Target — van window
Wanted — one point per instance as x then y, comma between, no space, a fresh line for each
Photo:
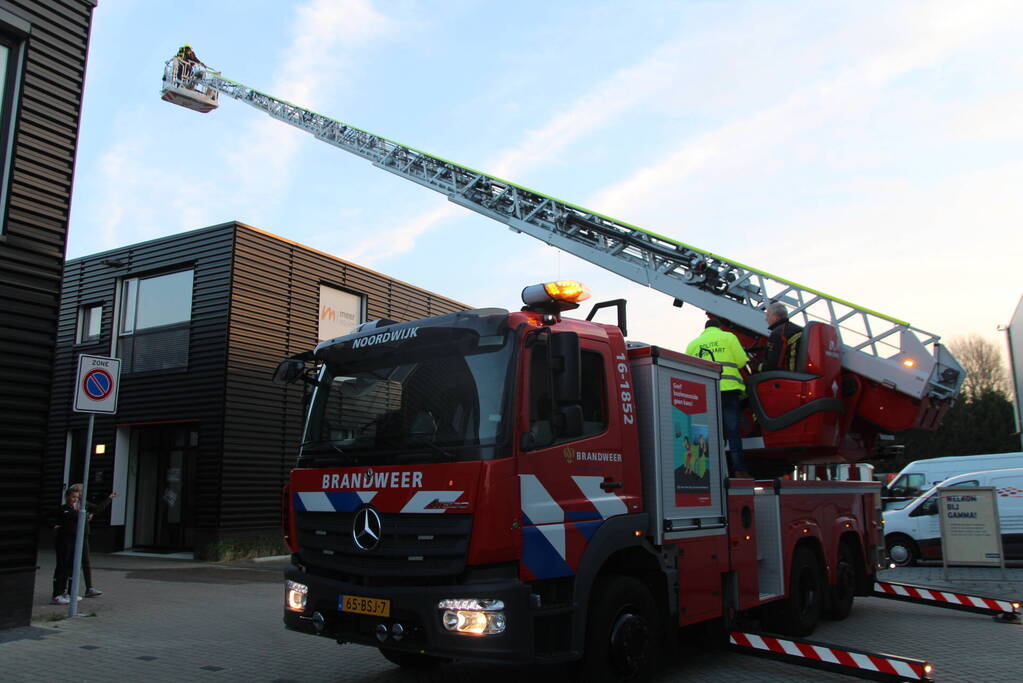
908,485
930,506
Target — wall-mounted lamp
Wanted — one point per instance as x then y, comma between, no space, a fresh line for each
101,448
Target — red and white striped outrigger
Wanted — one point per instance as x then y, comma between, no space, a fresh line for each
1008,610
842,660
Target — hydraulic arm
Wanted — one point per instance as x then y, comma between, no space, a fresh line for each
878,347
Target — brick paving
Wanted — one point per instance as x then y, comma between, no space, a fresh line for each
165,620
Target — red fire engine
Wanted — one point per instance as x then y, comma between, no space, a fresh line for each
523,486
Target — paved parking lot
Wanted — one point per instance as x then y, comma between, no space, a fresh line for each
189,621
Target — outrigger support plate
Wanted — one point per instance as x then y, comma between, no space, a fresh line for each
825,656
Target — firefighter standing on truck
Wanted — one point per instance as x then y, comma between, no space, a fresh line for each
723,347
783,341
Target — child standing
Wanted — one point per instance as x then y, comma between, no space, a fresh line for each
90,509
65,529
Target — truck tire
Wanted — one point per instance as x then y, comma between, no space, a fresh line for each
843,593
902,550
411,660
798,614
623,632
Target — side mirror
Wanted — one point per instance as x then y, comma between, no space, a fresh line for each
566,366
568,422
540,435
289,370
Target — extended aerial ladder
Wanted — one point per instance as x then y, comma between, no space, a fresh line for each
884,350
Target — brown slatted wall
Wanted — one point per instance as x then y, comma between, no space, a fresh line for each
32,244
195,395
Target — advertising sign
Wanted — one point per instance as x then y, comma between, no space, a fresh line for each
340,312
96,384
970,533
691,443
1015,339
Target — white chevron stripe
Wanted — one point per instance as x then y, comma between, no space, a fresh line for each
316,501
607,504
757,642
555,535
903,669
537,503
366,496
826,654
862,661
418,502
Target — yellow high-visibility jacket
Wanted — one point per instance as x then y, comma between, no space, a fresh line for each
721,347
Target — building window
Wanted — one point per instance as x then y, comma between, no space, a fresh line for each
13,32
90,321
156,314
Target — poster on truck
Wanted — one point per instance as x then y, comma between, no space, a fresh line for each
690,443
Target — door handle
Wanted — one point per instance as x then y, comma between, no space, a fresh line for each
609,485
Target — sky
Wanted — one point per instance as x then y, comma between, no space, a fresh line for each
869,150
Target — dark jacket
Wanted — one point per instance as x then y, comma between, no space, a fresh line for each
66,525
782,346
66,522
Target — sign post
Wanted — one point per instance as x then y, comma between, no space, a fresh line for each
96,387
970,532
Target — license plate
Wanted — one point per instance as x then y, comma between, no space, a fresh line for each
374,607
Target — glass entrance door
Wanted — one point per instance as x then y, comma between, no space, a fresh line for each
165,488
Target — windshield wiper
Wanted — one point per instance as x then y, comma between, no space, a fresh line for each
422,441
323,441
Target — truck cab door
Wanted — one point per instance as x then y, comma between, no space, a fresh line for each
570,468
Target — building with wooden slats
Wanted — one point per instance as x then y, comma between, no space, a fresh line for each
43,47
202,441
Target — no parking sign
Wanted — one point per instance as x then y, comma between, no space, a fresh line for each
96,387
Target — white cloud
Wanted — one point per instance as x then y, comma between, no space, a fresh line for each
172,170
143,200
400,239
326,36
607,101
916,37
766,136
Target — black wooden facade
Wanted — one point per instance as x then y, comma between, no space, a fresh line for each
44,45
226,435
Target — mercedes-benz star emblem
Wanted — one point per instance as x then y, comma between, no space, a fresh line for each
366,529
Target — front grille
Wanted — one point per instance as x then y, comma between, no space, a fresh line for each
422,545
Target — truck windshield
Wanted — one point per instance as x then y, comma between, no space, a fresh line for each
439,400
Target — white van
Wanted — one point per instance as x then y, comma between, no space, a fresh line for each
914,532
920,475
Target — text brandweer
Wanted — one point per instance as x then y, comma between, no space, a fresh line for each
374,480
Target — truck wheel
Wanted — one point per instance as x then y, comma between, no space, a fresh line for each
622,633
411,660
798,614
902,551
844,591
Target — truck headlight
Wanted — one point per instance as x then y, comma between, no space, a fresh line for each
295,596
473,616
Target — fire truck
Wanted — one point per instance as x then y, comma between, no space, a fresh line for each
528,486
